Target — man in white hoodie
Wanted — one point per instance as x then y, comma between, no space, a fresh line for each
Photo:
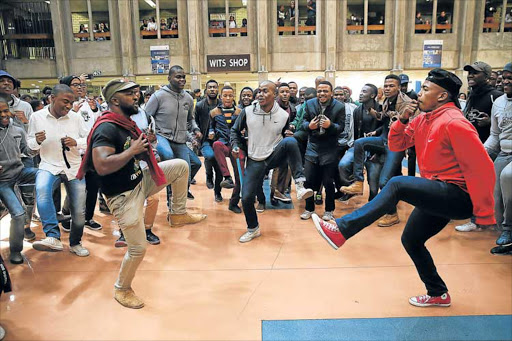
265,123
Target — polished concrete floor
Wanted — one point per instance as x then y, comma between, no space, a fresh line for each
200,283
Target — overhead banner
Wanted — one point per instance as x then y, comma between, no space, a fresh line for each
226,63
159,59
432,53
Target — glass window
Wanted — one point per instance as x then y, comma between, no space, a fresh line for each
169,18
423,20
100,20
492,15
355,16
217,18
80,20
307,16
26,30
237,23
376,15
147,16
444,16
286,17
508,17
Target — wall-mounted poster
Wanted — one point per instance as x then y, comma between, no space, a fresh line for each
159,59
432,53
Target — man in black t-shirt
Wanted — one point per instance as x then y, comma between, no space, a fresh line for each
117,147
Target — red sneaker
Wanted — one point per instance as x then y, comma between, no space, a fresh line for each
428,301
329,232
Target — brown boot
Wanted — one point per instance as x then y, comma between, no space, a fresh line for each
389,220
127,298
355,189
184,219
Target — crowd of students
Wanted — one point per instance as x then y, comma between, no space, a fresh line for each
131,145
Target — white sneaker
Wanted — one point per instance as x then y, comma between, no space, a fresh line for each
79,250
467,227
248,236
303,193
306,215
328,215
48,244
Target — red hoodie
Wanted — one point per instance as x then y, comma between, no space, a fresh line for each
448,149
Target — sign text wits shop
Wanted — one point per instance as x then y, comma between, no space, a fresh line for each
223,63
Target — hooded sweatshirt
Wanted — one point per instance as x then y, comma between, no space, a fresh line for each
18,105
13,143
173,113
482,99
501,126
264,130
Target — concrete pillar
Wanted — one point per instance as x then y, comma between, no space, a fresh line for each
61,30
262,24
467,29
330,39
194,41
127,38
399,24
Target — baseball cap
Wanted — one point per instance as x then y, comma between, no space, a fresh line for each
4,73
448,81
117,85
403,78
508,67
480,67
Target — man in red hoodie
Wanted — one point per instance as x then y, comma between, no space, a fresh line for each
457,181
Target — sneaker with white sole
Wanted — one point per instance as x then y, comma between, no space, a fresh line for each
468,227
303,193
431,301
48,244
328,216
93,225
250,235
306,215
79,250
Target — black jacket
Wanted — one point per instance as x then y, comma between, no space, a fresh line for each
322,148
375,125
202,117
481,99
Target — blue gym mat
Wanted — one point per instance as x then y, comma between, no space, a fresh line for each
463,328
280,205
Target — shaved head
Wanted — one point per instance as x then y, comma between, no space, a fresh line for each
271,85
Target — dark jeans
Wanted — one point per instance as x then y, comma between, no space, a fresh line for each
435,204
210,165
92,186
302,140
391,167
316,175
373,169
411,161
286,150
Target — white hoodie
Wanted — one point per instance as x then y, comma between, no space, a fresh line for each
18,105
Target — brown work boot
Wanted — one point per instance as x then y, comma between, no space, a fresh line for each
184,219
389,220
127,298
355,189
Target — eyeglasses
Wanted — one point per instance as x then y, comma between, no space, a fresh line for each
78,85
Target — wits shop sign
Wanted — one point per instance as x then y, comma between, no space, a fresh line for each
225,63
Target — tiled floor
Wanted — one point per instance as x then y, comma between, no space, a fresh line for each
202,284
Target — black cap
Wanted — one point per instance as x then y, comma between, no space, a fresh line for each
448,81
68,79
403,78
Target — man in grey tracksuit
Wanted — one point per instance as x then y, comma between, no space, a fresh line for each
266,148
173,111
500,142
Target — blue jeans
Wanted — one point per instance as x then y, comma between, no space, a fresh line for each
169,150
373,169
15,207
503,191
435,204
286,150
210,165
346,167
46,183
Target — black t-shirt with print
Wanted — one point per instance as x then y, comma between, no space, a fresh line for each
111,135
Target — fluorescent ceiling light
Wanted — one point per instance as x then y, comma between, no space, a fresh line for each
150,3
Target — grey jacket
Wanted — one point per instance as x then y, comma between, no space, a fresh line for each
173,113
500,138
13,142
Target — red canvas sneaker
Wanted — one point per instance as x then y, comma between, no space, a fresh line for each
329,232
431,301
